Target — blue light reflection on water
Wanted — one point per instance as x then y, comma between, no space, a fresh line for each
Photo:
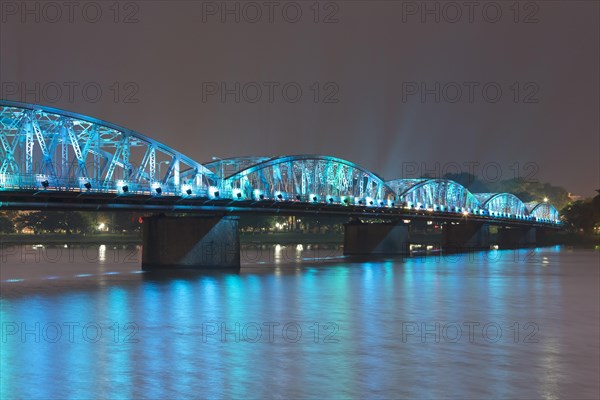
171,355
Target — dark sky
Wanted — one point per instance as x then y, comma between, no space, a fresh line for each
369,59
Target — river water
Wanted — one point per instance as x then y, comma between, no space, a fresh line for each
300,322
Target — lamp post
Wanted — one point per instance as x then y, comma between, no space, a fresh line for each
159,164
221,172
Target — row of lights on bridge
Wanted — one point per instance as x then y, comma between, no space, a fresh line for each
214,192
237,193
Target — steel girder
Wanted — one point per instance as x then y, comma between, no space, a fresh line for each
545,212
311,178
502,203
59,150
228,166
437,194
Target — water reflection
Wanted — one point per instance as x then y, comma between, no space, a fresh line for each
295,326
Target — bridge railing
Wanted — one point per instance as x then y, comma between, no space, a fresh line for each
40,182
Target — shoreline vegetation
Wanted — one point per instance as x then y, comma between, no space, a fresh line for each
565,238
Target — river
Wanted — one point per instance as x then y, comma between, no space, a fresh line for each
300,322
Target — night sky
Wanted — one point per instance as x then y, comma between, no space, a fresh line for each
362,68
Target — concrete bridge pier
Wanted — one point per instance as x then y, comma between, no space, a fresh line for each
515,237
204,243
376,238
466,236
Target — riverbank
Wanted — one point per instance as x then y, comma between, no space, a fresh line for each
57,238
565,238
136,238
571,239
292,238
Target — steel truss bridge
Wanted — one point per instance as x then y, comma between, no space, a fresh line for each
54,159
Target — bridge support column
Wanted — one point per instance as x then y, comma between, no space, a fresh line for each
376,238
191,243
466,236
517,237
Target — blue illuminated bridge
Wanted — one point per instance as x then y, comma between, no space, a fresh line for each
53,159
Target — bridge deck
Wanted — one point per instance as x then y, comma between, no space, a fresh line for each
82,201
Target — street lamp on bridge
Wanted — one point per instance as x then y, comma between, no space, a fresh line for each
167,162
221,165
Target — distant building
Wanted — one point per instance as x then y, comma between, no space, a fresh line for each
574,197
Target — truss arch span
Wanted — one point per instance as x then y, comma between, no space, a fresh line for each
436,194
310,178
67,151
544,211
502,204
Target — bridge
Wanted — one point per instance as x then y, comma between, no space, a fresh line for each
54,159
